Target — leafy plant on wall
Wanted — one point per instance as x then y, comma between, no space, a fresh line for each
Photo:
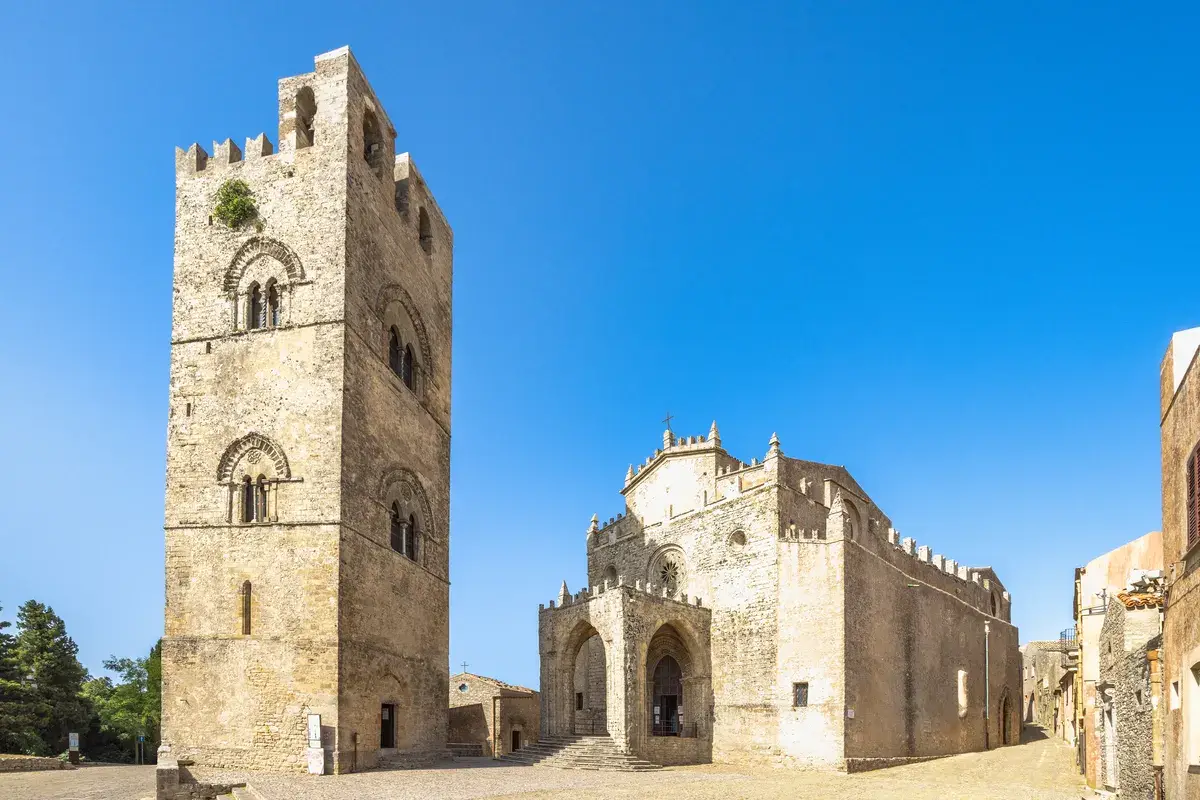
236,205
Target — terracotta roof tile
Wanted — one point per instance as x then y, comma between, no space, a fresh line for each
1140,599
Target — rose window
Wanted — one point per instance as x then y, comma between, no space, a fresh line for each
669,572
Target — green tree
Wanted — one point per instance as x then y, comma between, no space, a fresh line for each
48,659
131,707
18,733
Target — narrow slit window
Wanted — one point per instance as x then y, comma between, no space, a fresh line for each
799,695
246,608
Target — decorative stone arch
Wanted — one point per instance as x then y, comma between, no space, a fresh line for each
252,250
401,485
666,561
395,293
247,447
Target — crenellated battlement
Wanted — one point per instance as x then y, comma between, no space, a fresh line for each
196,159
567,599
923,554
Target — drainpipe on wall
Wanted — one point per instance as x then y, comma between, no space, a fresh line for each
987,685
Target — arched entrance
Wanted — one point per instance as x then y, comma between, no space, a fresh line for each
666,698
589,699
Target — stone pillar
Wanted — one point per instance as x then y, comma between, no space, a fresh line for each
619,664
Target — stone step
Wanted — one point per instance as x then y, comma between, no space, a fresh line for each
596,752
466,749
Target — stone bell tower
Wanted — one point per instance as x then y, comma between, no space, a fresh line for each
308,443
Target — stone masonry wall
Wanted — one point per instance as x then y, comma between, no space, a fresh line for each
1125,638
232,700
1180,429
738,580
341,622
471,713
395,611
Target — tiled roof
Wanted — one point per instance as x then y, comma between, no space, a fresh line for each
501,684
1140,599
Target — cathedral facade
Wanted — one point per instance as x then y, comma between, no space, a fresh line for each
769,612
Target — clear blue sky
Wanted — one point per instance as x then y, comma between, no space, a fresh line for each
941,243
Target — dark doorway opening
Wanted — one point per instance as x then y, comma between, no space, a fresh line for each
387,725
1005,723
516,741
668,697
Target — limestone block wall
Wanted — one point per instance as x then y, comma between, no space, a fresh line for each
472,716
811,650
353,241
1125,640
1180,431
910,629
590,682
737,577
230,699
394,621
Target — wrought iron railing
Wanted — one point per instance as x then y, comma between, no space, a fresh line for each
672,727
1067,634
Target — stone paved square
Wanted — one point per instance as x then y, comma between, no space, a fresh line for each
1039,769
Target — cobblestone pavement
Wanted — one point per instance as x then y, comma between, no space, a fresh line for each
1039,769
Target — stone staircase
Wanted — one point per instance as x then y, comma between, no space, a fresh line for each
239,793
597,752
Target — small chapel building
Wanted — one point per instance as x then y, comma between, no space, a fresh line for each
769,612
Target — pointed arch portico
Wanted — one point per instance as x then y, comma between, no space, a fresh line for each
639,630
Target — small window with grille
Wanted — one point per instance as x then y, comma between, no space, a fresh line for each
799,695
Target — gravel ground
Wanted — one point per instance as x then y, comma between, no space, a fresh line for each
1040,769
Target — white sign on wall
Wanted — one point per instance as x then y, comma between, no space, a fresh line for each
314,730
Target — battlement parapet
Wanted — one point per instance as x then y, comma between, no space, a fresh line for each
195,159
791,533
656,591
949,567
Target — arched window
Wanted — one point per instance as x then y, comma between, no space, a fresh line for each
247,500
260,500
425,230
397,538
254,311
1193,497
372,142
395,352
410,538
273,305
995,607
306,112
406,371
246,608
